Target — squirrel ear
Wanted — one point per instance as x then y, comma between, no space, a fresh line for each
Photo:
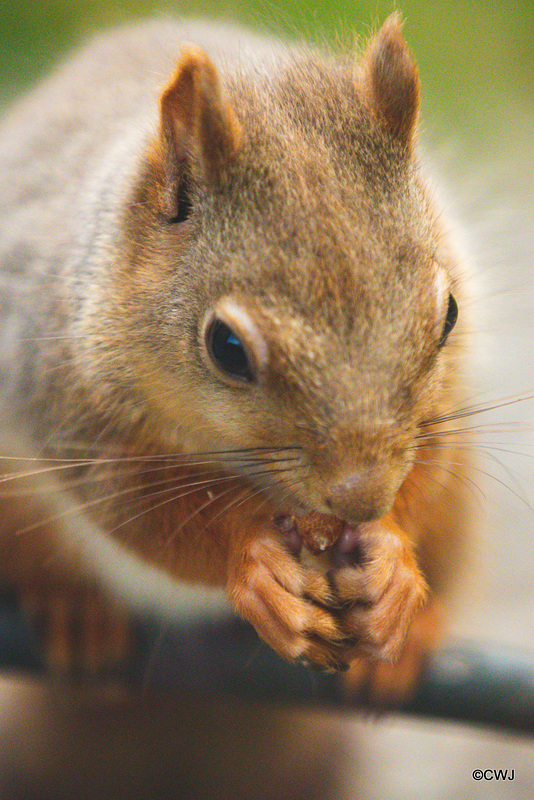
390,81
198,127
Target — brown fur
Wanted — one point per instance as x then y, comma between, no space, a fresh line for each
390,82
309,211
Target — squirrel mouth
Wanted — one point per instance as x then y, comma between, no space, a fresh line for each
318,532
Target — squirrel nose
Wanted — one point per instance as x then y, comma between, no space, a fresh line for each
360,496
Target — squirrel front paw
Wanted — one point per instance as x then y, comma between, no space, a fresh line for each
378,584
287,603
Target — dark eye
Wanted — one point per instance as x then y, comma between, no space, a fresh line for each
450,320
227,351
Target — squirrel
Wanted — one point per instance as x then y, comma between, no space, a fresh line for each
232,341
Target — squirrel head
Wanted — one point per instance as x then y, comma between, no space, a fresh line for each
287,278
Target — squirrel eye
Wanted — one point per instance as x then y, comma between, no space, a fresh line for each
227,352
450,320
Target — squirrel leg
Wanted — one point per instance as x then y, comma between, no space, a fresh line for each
384,684
76,626
78,629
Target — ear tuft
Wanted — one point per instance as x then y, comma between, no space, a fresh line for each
198,127
390,81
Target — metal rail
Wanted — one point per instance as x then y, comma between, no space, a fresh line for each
465,683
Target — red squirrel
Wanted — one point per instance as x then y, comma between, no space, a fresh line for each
233,336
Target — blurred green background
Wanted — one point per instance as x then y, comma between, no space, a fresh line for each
476,58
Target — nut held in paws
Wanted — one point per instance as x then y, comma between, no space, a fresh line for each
319,531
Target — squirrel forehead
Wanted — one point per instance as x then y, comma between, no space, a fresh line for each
315,174
321,212
309,117
326,251
345,290
385,321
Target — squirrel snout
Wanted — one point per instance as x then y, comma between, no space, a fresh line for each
361,496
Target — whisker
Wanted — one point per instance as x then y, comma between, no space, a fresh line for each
93,479
498,447
161,456
62,464
243,496
129,490
508,471
175,497
489,428
198,510
428,476
488,475
84,506
475,446
458,476
286,492
481,409
239,501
